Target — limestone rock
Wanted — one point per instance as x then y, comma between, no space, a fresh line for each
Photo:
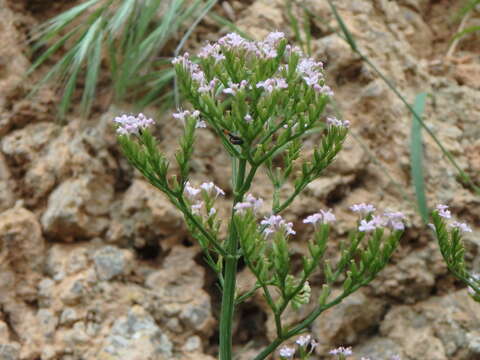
111,262
348,321
136,337
77,208
21,253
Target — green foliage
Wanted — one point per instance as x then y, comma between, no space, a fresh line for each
453,251
416,157
261,99
122,35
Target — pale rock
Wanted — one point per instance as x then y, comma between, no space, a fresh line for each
21,253
136,337
69,316
77,208
9,351
48,322
111,262
73,291
7,196
146,216
193,343
344,323
437,326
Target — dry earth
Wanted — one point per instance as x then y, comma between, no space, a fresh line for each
95,264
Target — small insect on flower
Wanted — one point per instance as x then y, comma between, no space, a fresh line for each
235,140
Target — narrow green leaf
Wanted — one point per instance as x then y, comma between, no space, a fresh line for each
416,157
348,36
468,30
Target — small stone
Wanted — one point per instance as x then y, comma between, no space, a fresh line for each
69,316
73,294
45,291
48,322
9,351
111,262
136,336
193,343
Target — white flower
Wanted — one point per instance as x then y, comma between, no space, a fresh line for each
476,279
394,220
443,211
232,40
250,203
362,208
248,118
191,191
275,223
287,352
210,187
341,351
333,121
234,88
272,84
200,124
461,226
303,340
212,212
129,124
181,115
367,226
324,216
197,207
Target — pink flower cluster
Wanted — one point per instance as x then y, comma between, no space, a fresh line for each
182,115
210,190
129,124
322,217
446,214
308,69
272,84
250,202
276,223
391,219
333,121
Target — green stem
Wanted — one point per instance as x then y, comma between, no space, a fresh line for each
306,322
228,296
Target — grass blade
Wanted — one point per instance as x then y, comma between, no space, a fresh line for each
469,30
348,36
416,157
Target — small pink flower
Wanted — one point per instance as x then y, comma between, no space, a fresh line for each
461,226
341,351
129,124
362,208
287,352
443,211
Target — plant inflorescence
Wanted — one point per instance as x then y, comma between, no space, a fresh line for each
262,99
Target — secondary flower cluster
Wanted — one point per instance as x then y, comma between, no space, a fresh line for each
445,213
129,124
306,345
210,192
307,342
390,219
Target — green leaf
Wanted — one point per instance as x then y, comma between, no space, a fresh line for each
416,157
468,30
348,36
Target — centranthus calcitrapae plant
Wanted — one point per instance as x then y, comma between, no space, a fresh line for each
449,236
261,99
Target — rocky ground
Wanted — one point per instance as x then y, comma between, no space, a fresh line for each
95,264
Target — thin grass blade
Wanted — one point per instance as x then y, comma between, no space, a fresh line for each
348,36
416,157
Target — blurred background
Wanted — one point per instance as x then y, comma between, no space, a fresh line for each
96,264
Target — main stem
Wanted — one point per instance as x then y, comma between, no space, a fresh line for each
230,274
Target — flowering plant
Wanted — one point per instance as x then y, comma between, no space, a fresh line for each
449,236
261,99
